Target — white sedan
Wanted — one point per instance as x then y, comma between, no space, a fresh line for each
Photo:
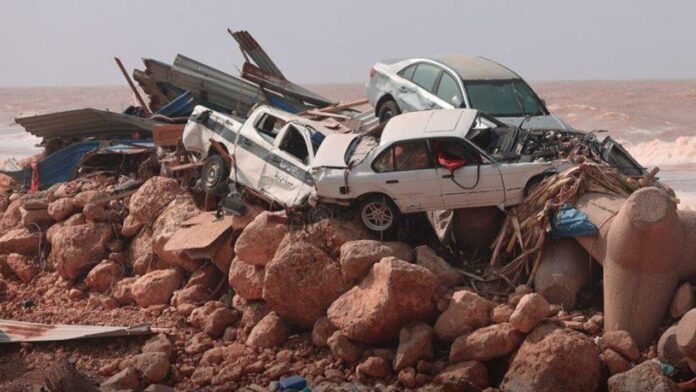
429,160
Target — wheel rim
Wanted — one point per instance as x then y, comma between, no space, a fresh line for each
387,114
212,175
377,216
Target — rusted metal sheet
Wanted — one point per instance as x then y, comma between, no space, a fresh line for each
167,135
12,331
86,123
251,48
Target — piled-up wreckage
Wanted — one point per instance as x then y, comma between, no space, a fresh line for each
104,221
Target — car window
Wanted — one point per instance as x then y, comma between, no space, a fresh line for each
294,144
425,75
269,126
408,71
452,153
503,98
412,155
448,90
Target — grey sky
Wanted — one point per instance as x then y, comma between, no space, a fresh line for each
73,42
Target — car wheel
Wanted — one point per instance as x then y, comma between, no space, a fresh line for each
388,110
379,215
215,175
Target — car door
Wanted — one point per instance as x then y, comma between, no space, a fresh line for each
448,92
254,146
285,177
474,181
405,172
417,95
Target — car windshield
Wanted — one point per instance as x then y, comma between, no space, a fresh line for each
503,98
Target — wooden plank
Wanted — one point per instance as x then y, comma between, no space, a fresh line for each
167,135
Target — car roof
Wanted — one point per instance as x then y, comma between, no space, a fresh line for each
429,123
468,67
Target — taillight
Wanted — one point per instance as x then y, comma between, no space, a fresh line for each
372,72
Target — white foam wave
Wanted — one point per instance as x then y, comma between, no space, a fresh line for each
682,150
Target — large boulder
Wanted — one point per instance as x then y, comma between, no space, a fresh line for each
395,293
486,343
553,358
327,234
426,257
258,242
246,279
647,376
357,257
152,197
22,241
156,287
76,249
177,211
62,208
301,282
465,312
24,267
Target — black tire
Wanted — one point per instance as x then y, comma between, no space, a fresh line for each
215,175
388,110
379,215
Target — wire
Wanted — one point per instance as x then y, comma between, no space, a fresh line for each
478,178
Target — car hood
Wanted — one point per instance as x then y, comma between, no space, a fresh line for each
332,152
548,121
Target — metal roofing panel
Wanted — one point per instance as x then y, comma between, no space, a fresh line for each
85,123
251,47
12,331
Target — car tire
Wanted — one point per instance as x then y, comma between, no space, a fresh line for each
379,215
388,110
215,175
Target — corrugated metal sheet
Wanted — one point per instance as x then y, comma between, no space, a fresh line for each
250,47
86,123
287,88
19,331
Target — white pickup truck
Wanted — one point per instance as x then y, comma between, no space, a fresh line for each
270,152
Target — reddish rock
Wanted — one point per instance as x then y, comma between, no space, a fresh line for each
198,343
647,376
131,226
246,279
104,275
76,249
357,257
529,312
622,343
199,315
446,275
501,313
96,213
486,343
153,366
668,350
229,373
614,361
214,356
466,311
683,300
87,197
277,371
408,377
686,334
269,332
126,379
23,241
301,282
553,359
459,374
39,217
328,235
156,287
345,349
224,254
374,367
218,320
203,375
415,343
25,268
197,294
179,210
123,291
321,331
258,242
395,293
152,197
159,343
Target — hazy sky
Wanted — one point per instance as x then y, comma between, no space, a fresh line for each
73,42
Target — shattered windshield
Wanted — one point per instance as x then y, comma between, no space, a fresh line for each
359,148
503,98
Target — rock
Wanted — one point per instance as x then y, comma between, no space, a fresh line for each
179,210
278,370
214,356
96,213
83,198
156,287
224,254
553,358
407,377
246,279
123,291
21,241
76,249
218,320
321,331
152,197
127,378
647,376
159,343
345,349
459,374
194,295
357,257
153,366
395,293
446,275
207,275
198,343
131,226
229,373
668,350
529,312
301,282
466,311
203,375
486,343
158,388
614,361
104,275
24,267
269,332
682,302
686,334
501,313
415,343
258,242
199,315
29,218
622,343
374,367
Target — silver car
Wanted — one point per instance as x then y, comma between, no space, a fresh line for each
447,82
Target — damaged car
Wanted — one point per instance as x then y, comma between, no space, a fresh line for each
447,82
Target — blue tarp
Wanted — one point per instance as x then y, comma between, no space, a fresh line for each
570,222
